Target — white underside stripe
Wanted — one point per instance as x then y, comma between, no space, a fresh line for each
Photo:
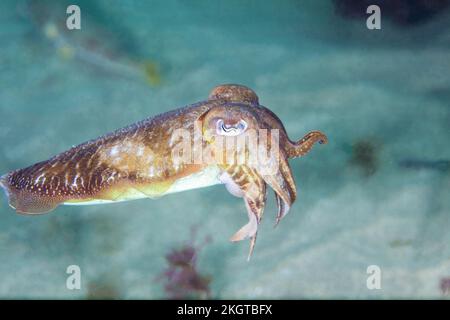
207,177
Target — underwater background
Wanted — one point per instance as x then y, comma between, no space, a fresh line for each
377,194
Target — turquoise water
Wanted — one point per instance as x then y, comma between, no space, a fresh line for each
382,97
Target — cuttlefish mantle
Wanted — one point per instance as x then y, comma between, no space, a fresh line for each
143,160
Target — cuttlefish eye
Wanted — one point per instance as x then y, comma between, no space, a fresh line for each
235,129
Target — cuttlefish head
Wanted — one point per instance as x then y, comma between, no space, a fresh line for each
250,145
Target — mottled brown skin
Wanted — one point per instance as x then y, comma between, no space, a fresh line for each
139,158
101,176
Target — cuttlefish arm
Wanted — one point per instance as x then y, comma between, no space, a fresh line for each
283,182
243,181
232,121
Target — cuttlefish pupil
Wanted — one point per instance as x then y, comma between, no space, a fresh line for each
231,129
137,162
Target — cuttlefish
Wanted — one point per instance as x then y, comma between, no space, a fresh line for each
199,145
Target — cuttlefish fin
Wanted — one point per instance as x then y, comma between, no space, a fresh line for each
253,190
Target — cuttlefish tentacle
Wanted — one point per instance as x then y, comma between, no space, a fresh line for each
283,181
255,202
284,186
305,144
138,161
293,150
233,121
244,182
